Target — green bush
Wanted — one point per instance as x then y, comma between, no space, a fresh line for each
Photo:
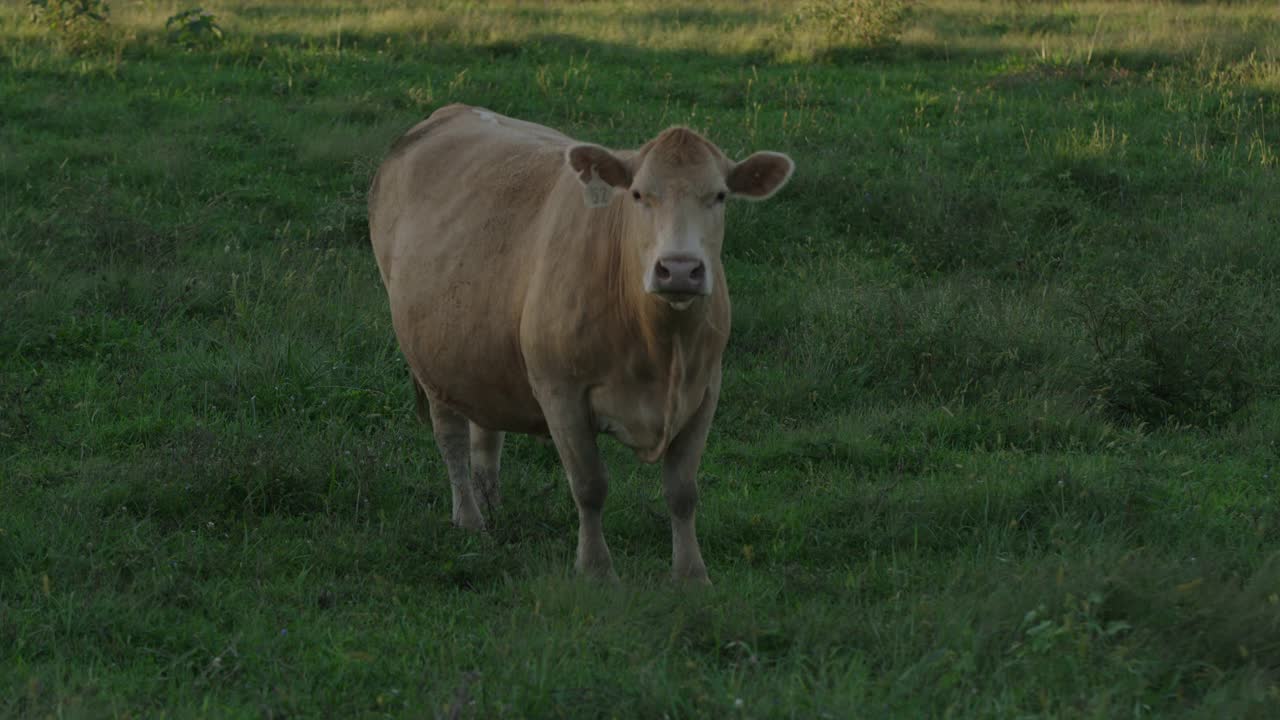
79,24
196,26
869,23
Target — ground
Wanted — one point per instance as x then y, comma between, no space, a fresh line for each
999,428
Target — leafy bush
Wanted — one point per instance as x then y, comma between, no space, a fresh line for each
196,26
869,23
65,14
79,24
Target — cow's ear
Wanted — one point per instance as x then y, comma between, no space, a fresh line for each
599,171
761,175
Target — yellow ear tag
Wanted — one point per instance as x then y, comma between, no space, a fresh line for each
597,192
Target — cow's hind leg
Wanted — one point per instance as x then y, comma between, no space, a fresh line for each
453,437
486,458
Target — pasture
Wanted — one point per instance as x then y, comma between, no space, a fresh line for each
1000,420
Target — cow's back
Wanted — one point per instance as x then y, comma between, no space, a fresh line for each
454,217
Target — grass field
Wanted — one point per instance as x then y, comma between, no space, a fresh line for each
999,428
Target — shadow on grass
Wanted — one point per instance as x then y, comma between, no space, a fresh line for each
448,41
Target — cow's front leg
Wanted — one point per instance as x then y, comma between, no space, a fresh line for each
575,440
680,486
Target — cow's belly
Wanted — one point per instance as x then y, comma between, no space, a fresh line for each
490,401
474,368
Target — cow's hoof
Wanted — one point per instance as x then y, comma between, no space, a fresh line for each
609,578
604,575
691,580
469,521
691,576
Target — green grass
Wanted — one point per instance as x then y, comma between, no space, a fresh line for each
999,428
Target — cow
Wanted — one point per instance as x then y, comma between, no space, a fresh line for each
546,286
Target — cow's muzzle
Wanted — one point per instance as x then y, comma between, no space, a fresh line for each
680,277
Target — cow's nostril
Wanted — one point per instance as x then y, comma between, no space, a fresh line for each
696,273
662,272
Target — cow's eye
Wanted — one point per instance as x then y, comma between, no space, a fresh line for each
635,195
720,196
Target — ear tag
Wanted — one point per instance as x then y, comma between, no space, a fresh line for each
597,192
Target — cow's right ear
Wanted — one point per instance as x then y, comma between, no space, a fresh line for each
599,171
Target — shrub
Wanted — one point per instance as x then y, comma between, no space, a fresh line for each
79,24
868,23
196,26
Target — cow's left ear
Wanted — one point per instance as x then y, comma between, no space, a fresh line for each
761,175
599,171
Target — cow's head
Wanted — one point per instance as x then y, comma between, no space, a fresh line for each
677,185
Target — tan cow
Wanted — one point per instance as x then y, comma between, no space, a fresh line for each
545,286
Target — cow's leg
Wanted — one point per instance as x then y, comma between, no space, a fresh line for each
486,457
453,437
680,486
575,442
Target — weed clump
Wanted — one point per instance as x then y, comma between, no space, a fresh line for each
1179,347
79,25
865,23
194,27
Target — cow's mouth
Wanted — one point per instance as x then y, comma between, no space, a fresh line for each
679,301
